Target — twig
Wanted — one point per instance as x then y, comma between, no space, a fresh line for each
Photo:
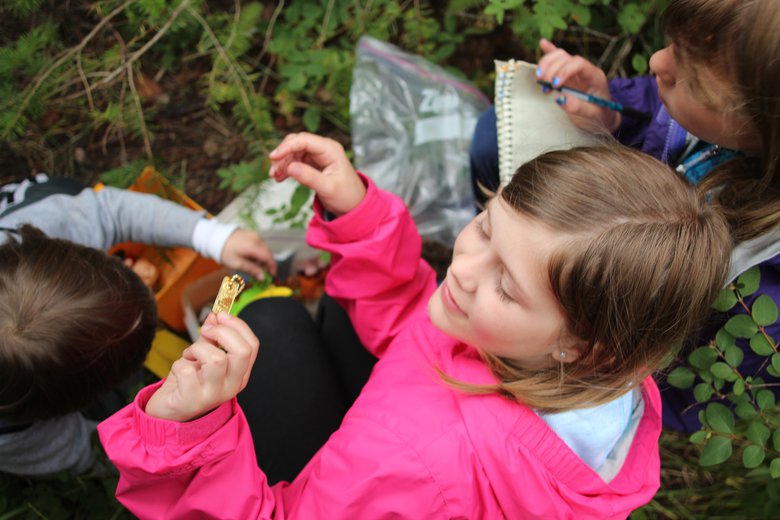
269,31
324,28
242,82
66,54
139,108
236,19
140,52
84,80
621,56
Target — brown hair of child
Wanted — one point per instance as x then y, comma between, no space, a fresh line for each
739,40
645,258
74,323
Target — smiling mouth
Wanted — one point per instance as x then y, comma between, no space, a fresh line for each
449,301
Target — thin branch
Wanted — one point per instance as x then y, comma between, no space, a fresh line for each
324,28
84,80
140,52
139,108
63,58
269,31
242,82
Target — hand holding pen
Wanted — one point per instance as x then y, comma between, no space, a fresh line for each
582,88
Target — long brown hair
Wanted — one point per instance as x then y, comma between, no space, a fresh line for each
646,257
74,323
741,40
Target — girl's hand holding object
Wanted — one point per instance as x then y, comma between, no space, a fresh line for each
210,372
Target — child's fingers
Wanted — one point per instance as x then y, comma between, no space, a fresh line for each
278,170
240,326
318,150
308,176
580,73
234,337
184,375
245,331
546,45
210,321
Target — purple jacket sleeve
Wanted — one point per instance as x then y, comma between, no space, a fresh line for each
642,93
377,273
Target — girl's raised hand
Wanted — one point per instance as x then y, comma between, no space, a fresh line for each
210,372
321,164
562,69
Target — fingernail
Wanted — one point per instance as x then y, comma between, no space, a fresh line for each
561,100
556,81
206,326
538,72
273,153
546,89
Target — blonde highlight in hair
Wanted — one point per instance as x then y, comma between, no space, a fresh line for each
645,258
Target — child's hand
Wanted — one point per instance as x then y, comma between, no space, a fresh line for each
561,68
210,372
322,165
246,251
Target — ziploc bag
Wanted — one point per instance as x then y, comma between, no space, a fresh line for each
412,124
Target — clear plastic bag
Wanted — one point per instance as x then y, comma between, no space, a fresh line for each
412,124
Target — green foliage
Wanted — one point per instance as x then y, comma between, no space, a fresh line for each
626,25
748,428
63,496
258,64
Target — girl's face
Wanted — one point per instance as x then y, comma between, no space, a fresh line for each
706,115
497,295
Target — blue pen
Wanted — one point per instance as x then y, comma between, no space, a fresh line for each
590,98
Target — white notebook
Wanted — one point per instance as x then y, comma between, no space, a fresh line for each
528,121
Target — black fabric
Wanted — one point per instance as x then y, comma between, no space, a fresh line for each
108,403
296,398
7,426
352,362
38,191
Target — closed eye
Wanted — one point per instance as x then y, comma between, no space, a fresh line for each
505,297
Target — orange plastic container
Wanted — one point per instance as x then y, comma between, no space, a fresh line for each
177,266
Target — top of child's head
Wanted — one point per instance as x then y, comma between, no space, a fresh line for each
606,261
74,323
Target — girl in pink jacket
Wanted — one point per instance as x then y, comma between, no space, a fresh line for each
517,388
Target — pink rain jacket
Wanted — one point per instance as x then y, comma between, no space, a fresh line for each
410,446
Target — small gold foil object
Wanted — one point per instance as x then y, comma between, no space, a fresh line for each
231,286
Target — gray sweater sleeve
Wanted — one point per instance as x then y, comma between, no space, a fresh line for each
49,446
107,217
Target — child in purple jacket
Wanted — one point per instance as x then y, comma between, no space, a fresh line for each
518,388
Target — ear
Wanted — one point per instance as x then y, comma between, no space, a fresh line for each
570,351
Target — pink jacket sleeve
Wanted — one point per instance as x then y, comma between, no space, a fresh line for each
206,469
170,469
377,273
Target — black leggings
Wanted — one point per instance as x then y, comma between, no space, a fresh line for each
307,374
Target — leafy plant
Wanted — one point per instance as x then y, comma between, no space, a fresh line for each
740,417
63,496
625,31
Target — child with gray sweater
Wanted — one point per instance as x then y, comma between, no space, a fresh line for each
76,322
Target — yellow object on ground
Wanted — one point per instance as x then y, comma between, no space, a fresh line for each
166,348
177,267
248,296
